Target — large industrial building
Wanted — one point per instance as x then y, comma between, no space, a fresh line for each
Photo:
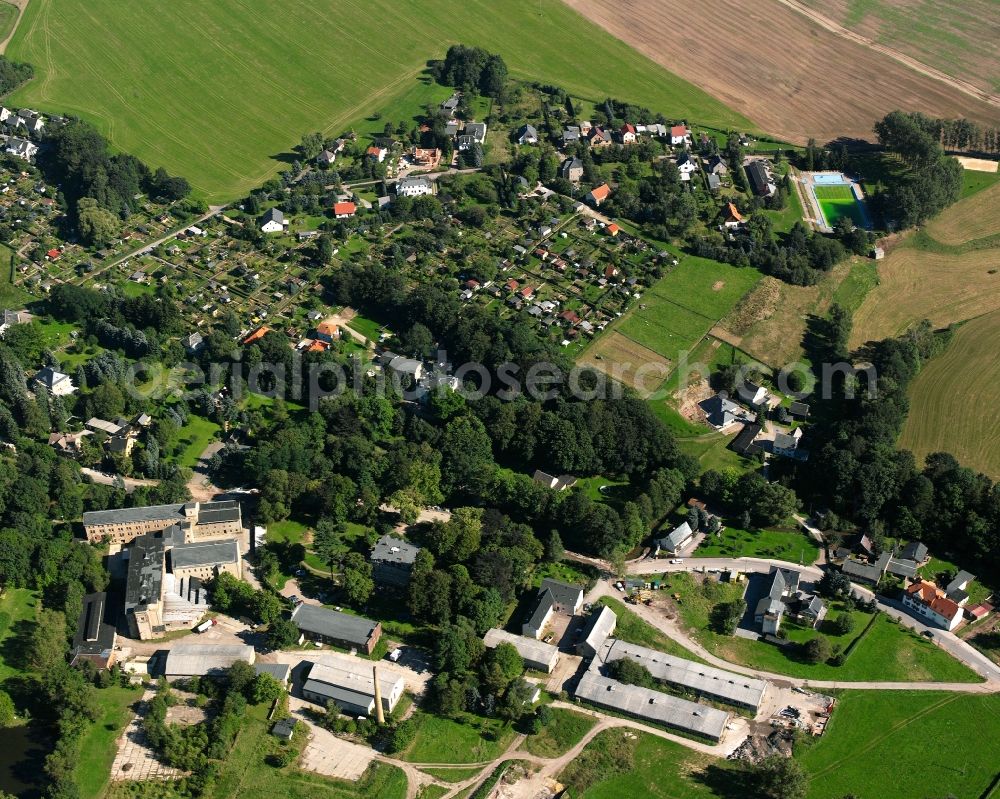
351,687
95,635
164,589
198,521
535,654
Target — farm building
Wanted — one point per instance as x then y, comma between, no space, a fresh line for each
280,671
712,683
351,687
536,654
644,703
553,597
340,629
600,624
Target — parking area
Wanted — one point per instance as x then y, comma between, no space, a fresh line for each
327,754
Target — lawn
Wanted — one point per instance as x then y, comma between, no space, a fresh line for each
633,630
18,604
838,202
195,436
8,16
368,328
886,652
471,740
245,774
787,544
565,731
619,764
99,741
221,91
878,745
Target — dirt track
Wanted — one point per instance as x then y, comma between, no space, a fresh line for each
792,75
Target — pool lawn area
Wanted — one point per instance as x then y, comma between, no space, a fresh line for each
837,202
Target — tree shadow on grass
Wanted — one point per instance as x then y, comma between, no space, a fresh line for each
726,782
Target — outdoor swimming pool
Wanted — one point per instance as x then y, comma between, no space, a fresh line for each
829,179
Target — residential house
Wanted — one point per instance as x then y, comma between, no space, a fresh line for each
427,158
686,164
55,383
599,194
752,394
714,184
273,221
679,134
745,442
451,104
717,166
771,607
317,623
377,153
865,571
392,560
477,130
672,544
21,148
554,597
732,218
406,367
955,590
527,134
414,186
761,181
598,137
344,210
627,133
572,170
930,605
193,343
326,158
571,135
560,483
798,410
916,551
720,411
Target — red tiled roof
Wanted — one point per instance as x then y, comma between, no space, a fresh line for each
601,192
54,253
679,130
732,213
613,229
259,333
344,208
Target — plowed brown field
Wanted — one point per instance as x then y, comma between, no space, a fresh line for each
790,75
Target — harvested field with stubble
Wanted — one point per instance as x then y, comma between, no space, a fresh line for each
788,74
958,38
971,219
628,362
950,407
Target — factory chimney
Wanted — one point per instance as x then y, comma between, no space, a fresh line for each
379,715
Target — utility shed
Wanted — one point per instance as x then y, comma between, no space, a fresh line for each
708,681
643,703
536,654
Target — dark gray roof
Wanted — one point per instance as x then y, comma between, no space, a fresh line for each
272,215
390,549
95,634
145,513
915,550
902,567
758,176
333,624
798,409
216,512
205,553
562,593
283,728
145,571
960,579
279,671
542,608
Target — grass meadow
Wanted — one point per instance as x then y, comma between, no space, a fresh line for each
566,731
221,91
790,544
885,652
883,743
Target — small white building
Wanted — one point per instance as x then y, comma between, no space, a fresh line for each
273,221
414,187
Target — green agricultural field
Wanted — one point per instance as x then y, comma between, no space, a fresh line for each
878,744
789,544
681,308
221,91
886,652
838,202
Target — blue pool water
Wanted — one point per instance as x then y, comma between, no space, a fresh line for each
824,179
